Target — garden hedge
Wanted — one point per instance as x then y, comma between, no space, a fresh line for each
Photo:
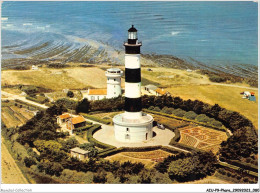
113,151
185,119
246,166
29,104
97,143
39,99
237,168
81,129
93,118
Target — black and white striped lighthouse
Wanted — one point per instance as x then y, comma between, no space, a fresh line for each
133,103
133,125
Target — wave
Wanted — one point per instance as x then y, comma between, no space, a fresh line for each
24,24
174,33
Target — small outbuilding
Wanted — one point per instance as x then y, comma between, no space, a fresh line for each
79,153
76,122
150,88
63,118
160,92
34,67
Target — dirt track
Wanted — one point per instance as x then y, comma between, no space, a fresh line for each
11,174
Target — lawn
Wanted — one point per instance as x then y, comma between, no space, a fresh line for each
226,96
194,86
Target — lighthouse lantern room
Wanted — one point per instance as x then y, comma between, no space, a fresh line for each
133,125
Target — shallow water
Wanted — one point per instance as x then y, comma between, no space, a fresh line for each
211,32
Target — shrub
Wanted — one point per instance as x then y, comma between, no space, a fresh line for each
202,118
29,161
151,108
179,112
157,109
167,110
70,94
190,115
216,78
216,123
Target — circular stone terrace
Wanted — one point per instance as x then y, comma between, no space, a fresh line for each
106,135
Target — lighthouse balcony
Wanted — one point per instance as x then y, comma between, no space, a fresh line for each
137,43
118,73
121,119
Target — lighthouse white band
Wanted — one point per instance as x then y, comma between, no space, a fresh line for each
132,90
132,61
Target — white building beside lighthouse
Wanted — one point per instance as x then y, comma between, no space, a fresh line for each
113,86
114,82
133,125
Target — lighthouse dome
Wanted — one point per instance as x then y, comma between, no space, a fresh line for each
132,29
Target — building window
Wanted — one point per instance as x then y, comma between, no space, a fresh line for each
127,129
97,97
114,79
114,86
127,136
92,98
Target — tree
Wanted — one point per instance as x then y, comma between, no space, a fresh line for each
29,161
69,144
159,178
100,176
67,103
83,106
42,145
70,94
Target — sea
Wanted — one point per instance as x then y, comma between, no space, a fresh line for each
214,33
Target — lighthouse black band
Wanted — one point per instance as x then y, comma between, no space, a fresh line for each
132,41
133,104
133,75
132,49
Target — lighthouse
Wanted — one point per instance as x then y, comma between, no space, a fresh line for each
133,125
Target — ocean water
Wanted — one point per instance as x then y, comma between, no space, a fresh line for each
214,33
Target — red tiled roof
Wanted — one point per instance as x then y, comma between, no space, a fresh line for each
160,91
64,116
76,120
97,92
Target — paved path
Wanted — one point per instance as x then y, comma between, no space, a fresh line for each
13,96
11,173
106,135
